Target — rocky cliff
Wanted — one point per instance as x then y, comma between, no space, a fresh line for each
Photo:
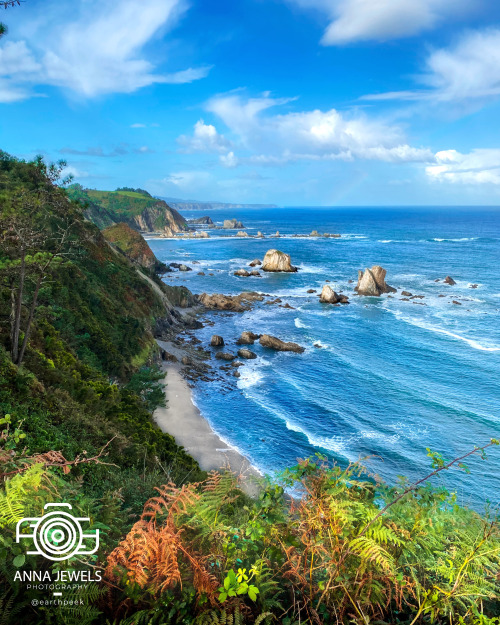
137,209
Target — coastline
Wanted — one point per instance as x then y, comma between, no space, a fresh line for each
182,419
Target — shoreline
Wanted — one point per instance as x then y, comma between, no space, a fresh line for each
182,419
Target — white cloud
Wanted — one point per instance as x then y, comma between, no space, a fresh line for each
467,71
478,167
470,69
75,172
205,138
98,49
138,125
358,20
229,160
311,135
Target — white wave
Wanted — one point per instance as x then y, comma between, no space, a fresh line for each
300,324
321,344
456,240
427,326
334,443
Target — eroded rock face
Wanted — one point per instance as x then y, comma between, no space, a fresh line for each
232,224
329,296
266,340
246,353
216,341
247,338
274,260
449,280
372,282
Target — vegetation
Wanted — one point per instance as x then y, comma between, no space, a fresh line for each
135,207
320,545
133,245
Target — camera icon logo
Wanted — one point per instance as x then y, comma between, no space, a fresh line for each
58,535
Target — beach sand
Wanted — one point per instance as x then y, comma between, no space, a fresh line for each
182,419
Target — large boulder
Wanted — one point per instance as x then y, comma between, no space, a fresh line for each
217,341
266,340
255,262
232,224
242,272
274,260
246,353
329,296
372,282
247,338
449,280
225,356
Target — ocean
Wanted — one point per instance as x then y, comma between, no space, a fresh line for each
381,379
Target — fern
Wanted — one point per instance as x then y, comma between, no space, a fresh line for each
17,491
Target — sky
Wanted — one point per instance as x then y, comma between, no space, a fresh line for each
291,102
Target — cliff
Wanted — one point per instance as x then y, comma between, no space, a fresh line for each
137,209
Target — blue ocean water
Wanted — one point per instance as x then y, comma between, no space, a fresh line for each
390,378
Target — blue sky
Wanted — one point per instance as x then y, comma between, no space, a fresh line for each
293,102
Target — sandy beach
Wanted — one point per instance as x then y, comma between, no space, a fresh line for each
183,420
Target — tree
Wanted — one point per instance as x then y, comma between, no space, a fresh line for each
36,235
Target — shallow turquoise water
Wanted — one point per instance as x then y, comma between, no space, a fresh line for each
391,377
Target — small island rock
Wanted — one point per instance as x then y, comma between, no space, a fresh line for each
329,296
274,260
246,353
449,280
266,340
372,282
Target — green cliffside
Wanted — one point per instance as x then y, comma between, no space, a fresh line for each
136,208
91,335
132,244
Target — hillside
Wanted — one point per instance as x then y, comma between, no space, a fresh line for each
185,205
132,244
86,372
137,208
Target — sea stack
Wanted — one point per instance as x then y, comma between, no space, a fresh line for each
329,296
372,282
274,260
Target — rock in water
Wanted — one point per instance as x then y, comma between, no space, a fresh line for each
329,296
255,262
232,224
449,280
241,272
372,282
266,340
246,353
184,268
241,233
225,356
217,341
274,260
247,338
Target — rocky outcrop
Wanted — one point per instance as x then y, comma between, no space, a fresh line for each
234,303
241,233
217,341
372,282
201,220
247,338
241,272
232,224
246,353
274,260
259,235
184,268
266,340
329,296
255,263
449,280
